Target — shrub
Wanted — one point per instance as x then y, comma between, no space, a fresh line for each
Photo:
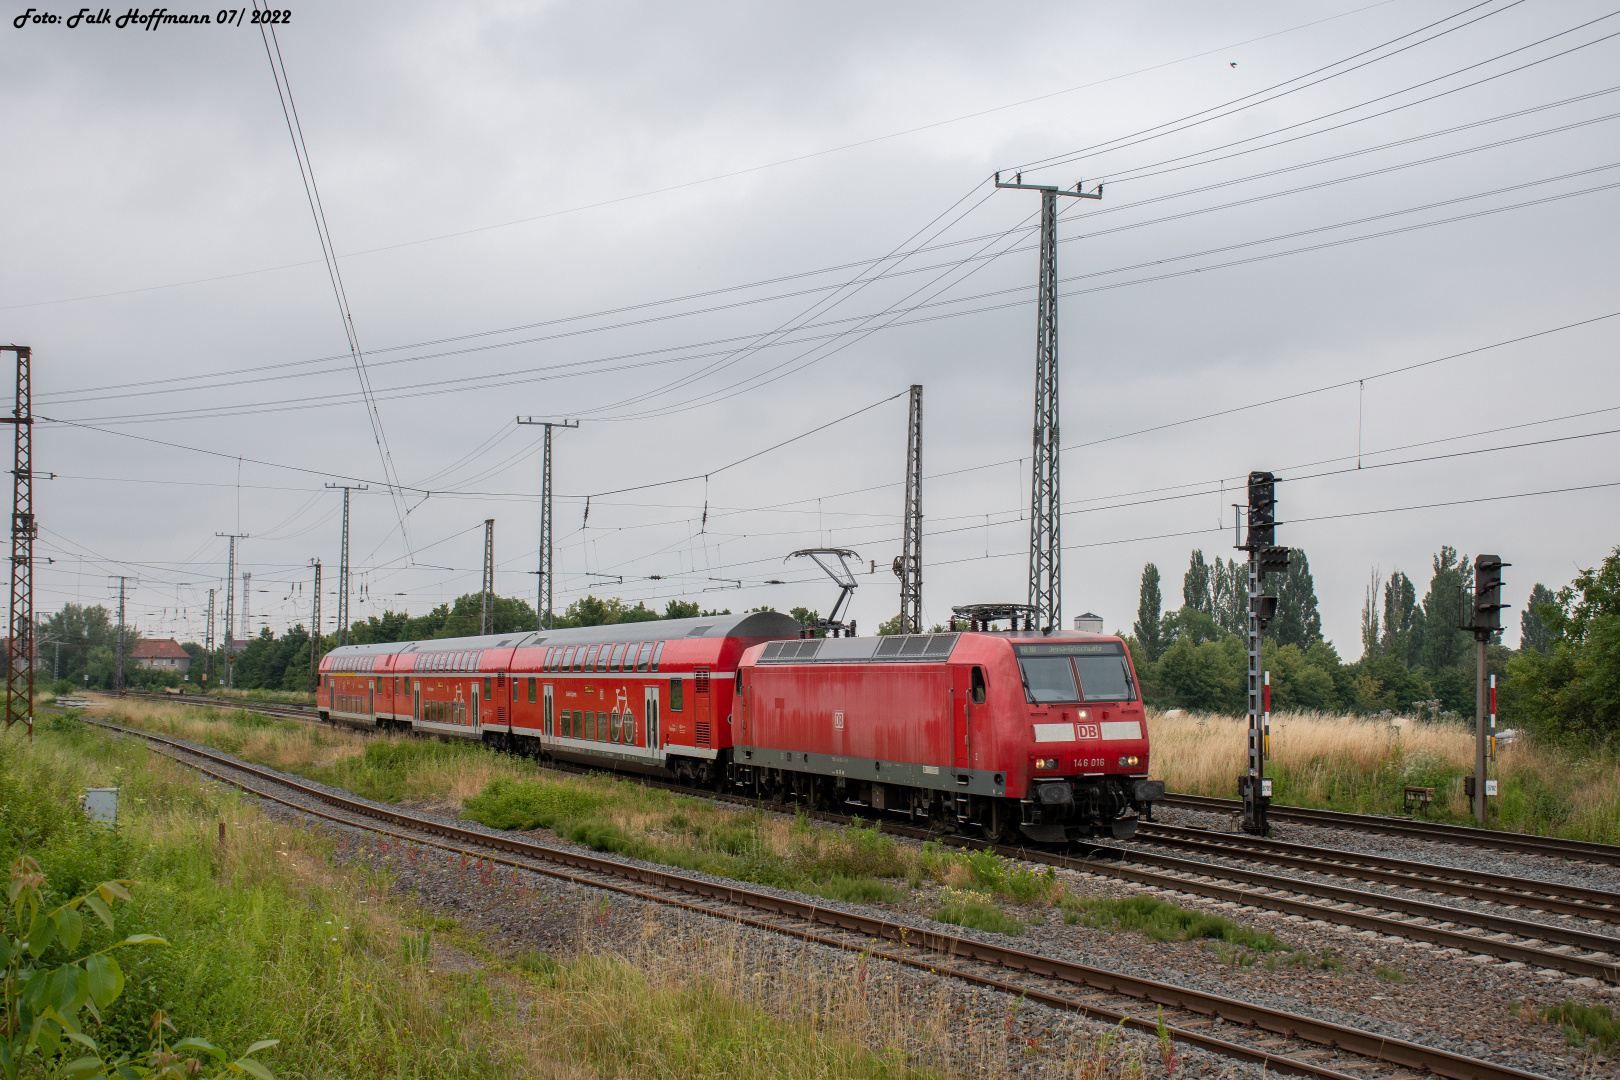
529,804
45,991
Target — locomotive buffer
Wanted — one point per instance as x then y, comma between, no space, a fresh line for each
1264,558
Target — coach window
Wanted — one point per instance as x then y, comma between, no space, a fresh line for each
618,658
586,658
568,657
531,690
658,650
602,658
978,686
644,656
675,695
613,727
489,689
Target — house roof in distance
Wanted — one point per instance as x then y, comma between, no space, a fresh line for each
164,649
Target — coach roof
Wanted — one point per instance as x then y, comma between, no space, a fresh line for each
751,624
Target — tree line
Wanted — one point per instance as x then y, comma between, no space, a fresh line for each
1563,679
88,638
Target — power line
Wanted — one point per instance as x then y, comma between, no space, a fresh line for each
168,386
717,177
312,192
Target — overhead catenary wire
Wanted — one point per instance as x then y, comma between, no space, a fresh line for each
895,314
306,169
721,176
169,386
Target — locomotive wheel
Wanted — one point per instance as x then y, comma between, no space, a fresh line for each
1002,828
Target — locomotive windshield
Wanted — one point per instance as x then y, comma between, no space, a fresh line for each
1075,671
1048,678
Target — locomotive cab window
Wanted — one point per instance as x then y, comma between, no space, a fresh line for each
978,686
1105,678
1048,678
1075,671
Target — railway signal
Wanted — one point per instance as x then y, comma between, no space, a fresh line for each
1265,557
1485,619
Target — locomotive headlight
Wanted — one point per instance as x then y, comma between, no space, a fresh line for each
1132,760
1046,763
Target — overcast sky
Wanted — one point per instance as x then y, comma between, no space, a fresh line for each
664,220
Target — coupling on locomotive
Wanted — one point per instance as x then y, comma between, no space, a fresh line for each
1011,733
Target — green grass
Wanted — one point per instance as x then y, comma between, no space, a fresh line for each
523,805
1162,921
1391,975
977,915
1584,1024
272,938
392,770
841,864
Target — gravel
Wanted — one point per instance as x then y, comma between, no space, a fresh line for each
1447,1000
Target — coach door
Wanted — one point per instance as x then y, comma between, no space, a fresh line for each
475,719
703,732
416,700
549,713
650,710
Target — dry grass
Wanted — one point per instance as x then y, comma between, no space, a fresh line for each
385,767
1365,763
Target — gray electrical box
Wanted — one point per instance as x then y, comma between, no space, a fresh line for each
101,803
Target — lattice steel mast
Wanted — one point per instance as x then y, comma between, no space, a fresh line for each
315,628
343,565
208,650
542,600
230,597
486,612
118,661
20,645
908,564
1045,499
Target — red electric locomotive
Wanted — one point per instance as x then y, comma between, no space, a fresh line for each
1015,732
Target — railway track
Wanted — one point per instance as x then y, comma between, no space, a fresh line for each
1280,1040
1559,899
1574,951
1411,828
1415,829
